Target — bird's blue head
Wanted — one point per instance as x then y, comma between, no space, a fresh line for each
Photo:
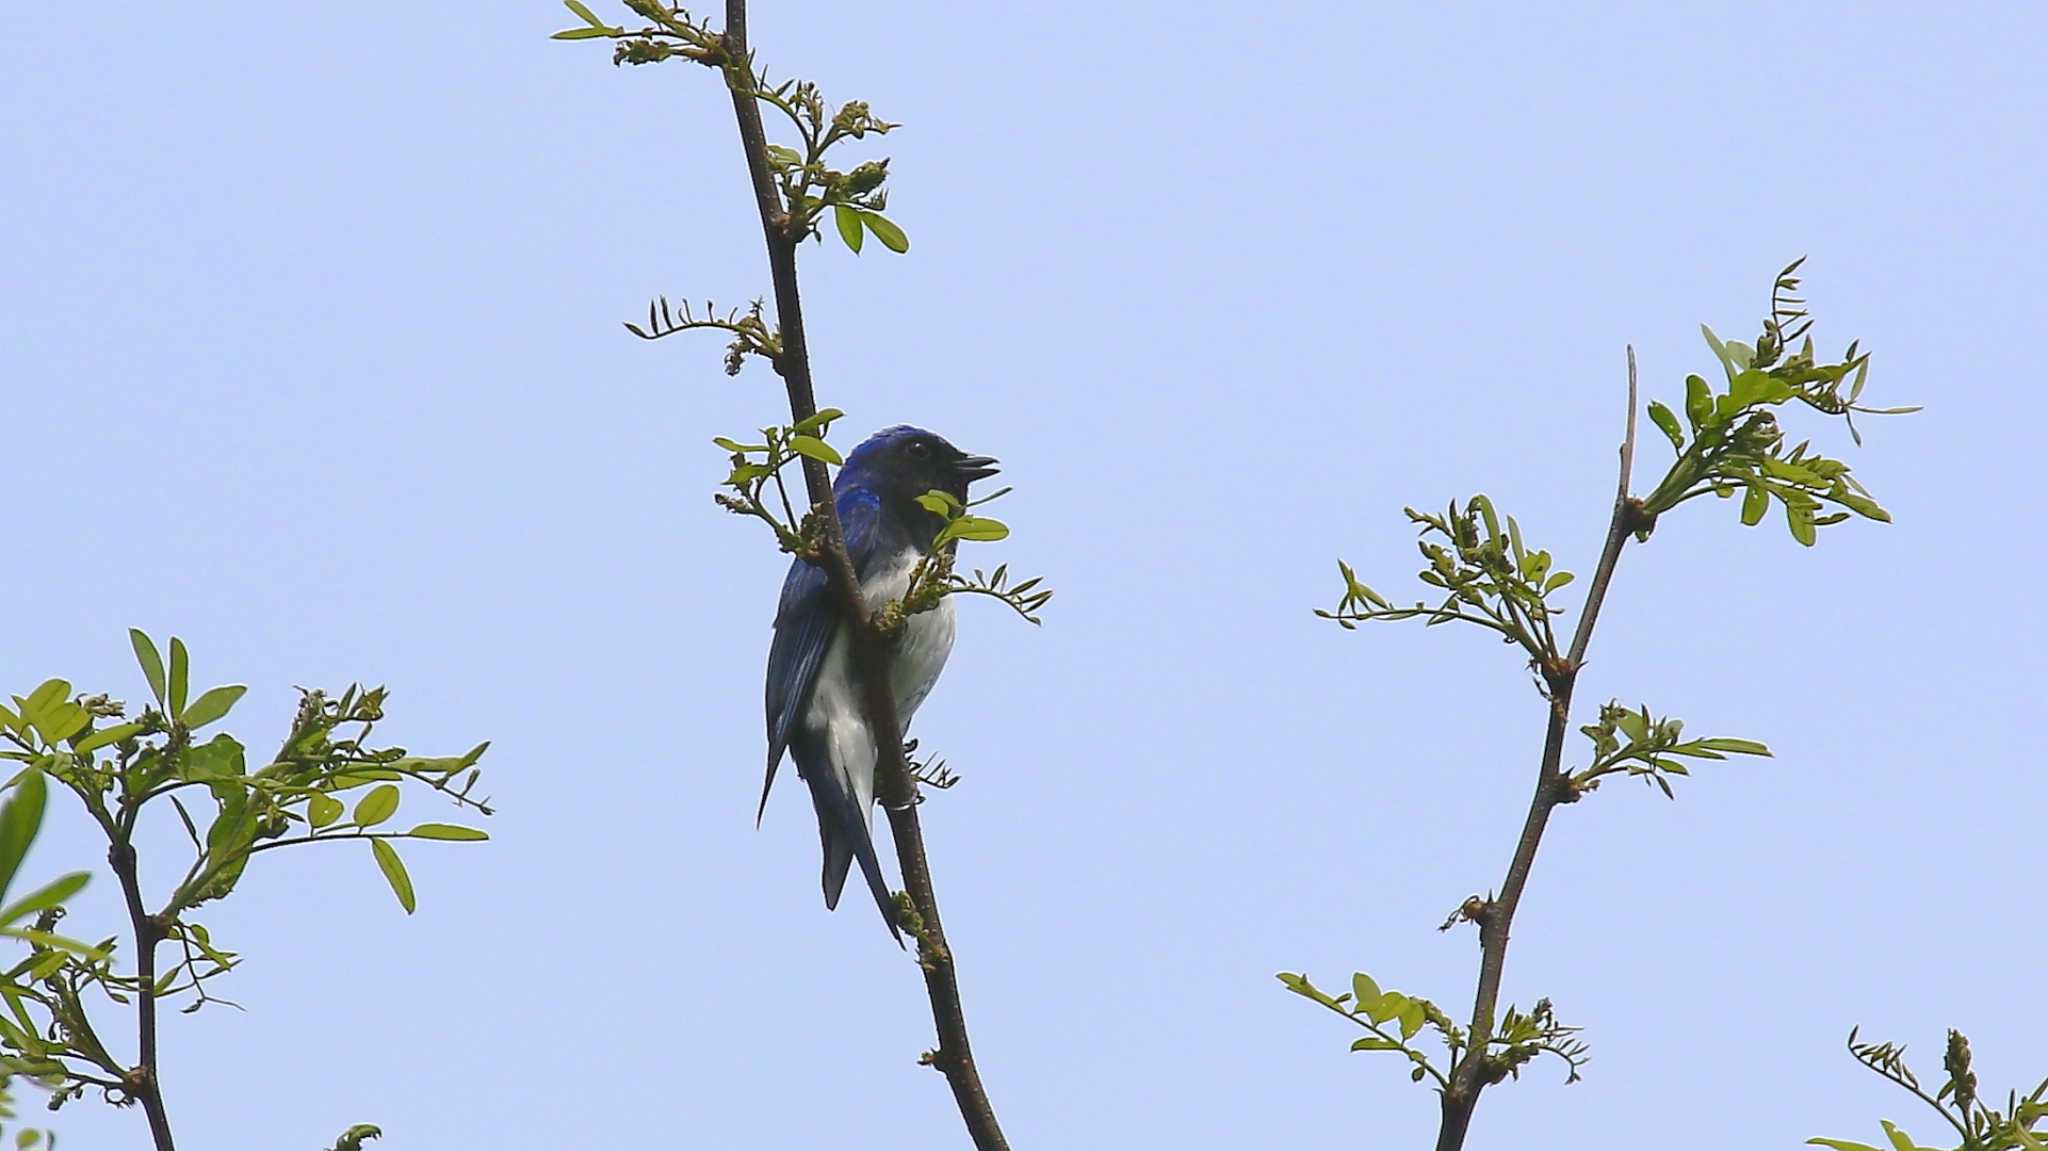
902,463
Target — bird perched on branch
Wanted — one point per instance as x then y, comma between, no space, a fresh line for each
813,698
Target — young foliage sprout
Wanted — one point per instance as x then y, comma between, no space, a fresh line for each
1486,575
325,784
796,182
1979,1125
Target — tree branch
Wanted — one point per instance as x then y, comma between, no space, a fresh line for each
141,1081
1478,1069
954,1056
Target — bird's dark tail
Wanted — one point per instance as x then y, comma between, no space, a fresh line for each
846,838
774,759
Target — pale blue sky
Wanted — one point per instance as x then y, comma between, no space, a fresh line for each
310,350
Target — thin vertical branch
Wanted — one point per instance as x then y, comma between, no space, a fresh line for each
954,1055
1479,1069
141,1081
1628,517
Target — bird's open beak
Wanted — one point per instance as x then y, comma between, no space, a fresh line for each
976,467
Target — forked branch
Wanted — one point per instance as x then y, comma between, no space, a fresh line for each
1479,1068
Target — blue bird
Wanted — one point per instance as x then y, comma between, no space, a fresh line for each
814,703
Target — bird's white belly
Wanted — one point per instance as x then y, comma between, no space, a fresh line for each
920,654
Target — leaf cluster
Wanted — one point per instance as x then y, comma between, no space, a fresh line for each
808,183
931,771
935,577
21,818
1489,577
751,335
326,783
1629,742
1978,1124
757,466
1731,441
1393,1020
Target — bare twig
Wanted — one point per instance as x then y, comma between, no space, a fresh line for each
1479,1069
954,1057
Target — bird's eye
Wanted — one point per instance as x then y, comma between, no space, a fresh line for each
918,450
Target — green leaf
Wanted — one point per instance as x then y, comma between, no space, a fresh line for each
1556,581
352,1139
736,447
213,705
1374,1043
1634,724
1900,1140
889,234
49,895
940,503
1734,746
180,677
152,663
1300,985
1485,507
1699,402
1668,423
1799,518
447,831
1754,387
1720,350
580,33
1841,1145
848,218
377,806
227,846
1861,505
589,17
813,424
322,810
816,449
20,819
1364,990
977,528
60,721
1389,1005
1754,504
394,873
1412,1018
48,692
105,736
55,942
444,764
220,759
350,780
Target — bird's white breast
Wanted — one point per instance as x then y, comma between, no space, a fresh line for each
920,654
926,641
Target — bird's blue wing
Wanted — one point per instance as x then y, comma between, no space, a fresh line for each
804,623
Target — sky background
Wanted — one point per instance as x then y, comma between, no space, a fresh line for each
310,353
